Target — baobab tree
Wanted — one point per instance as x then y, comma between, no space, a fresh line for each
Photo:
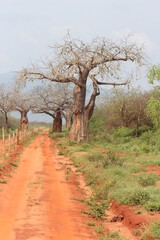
99,62
22,104
6,103
53,100
68,115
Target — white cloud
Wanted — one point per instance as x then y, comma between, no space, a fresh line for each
27,39
139,38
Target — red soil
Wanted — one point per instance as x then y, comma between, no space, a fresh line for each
130,216
37,202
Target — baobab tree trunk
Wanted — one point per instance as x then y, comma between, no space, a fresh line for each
69,118
57,123
24,120
82,114
79,129
6,122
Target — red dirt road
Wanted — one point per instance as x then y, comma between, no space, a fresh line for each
37,202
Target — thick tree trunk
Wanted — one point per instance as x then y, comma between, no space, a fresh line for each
79,129
24,120
82,114
6,122
69,118
57,123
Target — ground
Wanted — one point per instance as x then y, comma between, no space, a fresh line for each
38,201
41,199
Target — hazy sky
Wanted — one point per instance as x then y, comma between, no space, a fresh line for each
29,26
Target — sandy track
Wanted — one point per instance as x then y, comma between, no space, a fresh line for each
37,203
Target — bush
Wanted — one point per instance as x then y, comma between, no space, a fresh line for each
104,161
97,209
152,206
124,132
143,129
152,231
147,180
113,159
137,197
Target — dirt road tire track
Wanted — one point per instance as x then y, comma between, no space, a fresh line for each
37,203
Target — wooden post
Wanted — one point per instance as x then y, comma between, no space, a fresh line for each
20,136
3,140
17,136
13,140
9,142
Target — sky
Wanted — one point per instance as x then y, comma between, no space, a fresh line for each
29,27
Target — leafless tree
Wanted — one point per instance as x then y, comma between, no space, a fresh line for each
68,116
23,104
6,103
100,62
53,100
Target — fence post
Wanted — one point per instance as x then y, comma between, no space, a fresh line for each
3,140
13,140
17,136
9,142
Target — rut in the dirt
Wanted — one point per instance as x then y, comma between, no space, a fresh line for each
37,202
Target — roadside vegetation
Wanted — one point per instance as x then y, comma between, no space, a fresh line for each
115,160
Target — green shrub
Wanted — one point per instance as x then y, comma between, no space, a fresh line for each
97,209
113,236
152,206
102,160
124,132
147,180
139,197
113,159
152,231
143,129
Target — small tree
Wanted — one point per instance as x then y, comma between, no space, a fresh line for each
53,100
153,108
6,103
98,62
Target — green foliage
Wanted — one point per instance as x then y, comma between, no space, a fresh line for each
91,224
98,129
153,111
113,236
138,197
14,164
97,209
152,206
105,160
124,132
152,231
154,73
131,195
99,229
147,180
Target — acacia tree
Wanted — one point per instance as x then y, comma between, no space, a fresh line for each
53,100
6,103
98,62
22,104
